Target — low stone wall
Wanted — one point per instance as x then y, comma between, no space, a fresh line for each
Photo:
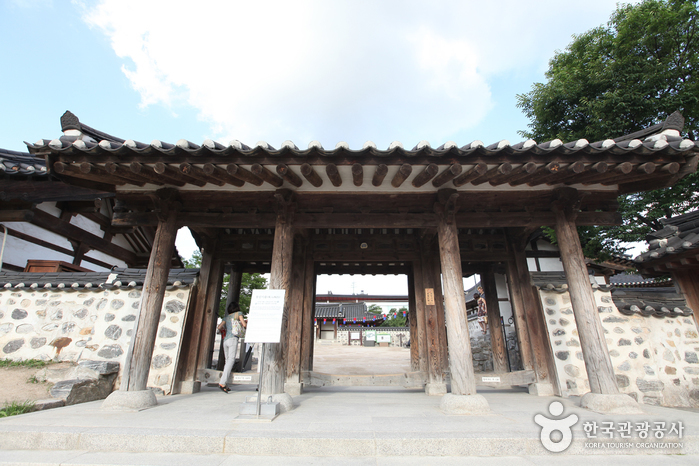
654,358
482,350
64,324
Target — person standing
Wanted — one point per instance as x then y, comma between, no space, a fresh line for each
234,325
482,310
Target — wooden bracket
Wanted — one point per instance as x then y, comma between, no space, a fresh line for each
566,200
165,200
286,205
446,205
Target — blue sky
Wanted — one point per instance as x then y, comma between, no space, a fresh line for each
279,70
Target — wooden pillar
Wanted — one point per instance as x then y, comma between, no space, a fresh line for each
439,308
412,322
138,360
435,374
195,320
600,371
542,358
420,338
210,316
525,349
280,279
308,311
295,332
497,341
463,380
689,286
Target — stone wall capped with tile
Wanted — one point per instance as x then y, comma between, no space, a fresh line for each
655,359
74,325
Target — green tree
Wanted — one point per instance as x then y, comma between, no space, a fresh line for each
249,282
395,318
617,79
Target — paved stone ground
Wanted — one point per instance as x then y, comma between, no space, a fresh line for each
333,425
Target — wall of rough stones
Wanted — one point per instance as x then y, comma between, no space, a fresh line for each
396,332
655,359
75,325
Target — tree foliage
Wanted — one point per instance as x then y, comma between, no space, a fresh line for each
617,79
395,318
249,282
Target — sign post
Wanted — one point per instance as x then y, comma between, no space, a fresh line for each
264,325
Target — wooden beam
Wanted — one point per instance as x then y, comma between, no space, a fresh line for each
425,175
523,171
333,174
405,380
379,175
148,173
165,169
289,176
369,220
506,379
357,174
68,230
266,175
218,173
198,173
101,174
412,323
471,174
125,173
242,174
24,215
73,171
540,173
502,169
401,175
311,175
447,175
566,170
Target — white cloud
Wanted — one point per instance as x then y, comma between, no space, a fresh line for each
341,70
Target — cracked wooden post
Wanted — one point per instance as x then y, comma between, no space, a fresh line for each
463,398
497,340
133,392
605,396
274,370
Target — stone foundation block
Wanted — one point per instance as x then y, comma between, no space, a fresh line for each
130,401
464,404
436,389
610,404
541,389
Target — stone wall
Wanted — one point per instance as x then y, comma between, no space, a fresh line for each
63,324
482,350
396,333
654,358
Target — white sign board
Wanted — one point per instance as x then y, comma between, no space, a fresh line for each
265,317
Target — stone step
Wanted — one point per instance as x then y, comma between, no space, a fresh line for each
83,458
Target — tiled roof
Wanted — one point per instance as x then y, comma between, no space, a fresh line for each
657,153
658,302
342,311
21,164
668,141
117,278
681,233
